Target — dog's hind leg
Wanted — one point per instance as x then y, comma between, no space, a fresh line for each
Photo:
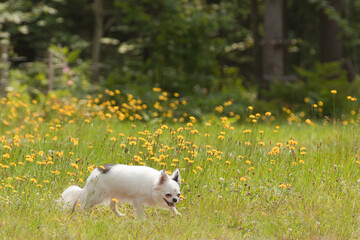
113,207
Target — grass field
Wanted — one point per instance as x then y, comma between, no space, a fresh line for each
259,179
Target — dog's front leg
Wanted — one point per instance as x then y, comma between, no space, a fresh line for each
138,205
174,211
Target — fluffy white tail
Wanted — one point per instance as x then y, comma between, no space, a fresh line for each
71,196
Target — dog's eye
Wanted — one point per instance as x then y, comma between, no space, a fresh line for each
178,195
168,195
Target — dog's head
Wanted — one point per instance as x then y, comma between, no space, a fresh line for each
169,187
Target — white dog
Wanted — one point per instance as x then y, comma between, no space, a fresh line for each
138,185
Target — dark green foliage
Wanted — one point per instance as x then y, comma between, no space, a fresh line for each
316,85
200,49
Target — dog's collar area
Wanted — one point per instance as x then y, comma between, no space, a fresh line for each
169,203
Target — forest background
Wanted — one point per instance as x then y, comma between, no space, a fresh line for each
264,53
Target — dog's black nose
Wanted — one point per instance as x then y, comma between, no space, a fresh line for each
174,200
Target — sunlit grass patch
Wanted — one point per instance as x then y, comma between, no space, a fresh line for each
240,178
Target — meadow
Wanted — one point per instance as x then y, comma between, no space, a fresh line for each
243,177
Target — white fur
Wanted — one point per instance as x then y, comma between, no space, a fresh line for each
137,185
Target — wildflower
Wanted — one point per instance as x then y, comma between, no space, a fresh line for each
242,179
28,158
75,165
283,186
7,147
308,121
56,172
333,92
33,180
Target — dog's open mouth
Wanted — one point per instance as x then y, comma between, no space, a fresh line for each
169,203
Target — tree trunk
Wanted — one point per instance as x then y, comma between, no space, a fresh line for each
273,51
4,66
257,47
331,40
98,32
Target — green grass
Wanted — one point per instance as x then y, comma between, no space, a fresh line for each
319,199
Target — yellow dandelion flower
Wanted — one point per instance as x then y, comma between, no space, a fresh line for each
28,158
75,165
33,180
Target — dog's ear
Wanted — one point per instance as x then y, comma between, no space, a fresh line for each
176,176
163,177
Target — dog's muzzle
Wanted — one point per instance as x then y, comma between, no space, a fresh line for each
169,203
